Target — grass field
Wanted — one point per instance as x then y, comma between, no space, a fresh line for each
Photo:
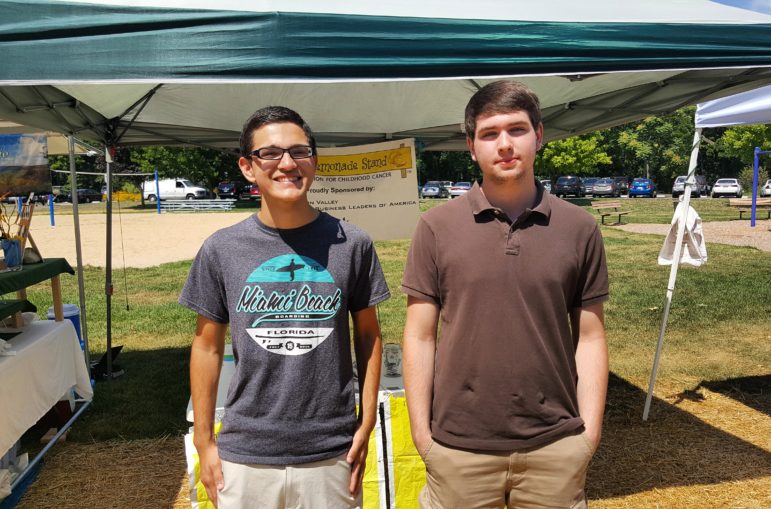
717,344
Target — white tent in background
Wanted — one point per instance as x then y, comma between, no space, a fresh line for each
751,107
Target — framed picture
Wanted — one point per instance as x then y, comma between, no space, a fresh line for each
24,165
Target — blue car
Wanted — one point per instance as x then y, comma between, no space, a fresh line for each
642,187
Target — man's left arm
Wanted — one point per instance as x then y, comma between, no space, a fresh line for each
368,349
592,367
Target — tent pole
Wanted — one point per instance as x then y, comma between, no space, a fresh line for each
755,165
683,209
108,260
78,253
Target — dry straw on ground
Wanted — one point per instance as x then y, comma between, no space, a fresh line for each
706,447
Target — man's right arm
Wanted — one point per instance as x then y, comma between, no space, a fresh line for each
419,350
205,363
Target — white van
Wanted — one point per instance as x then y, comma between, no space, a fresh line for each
173,189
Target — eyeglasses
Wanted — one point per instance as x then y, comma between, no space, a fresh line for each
276,153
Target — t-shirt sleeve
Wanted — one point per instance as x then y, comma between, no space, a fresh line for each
593,285
204,291
421,274
371,287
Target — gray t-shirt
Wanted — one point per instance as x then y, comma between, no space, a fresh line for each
287,295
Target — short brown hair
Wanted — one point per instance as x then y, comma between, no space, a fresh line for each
501,97
272,115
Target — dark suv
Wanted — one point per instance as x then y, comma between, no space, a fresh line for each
568,185
622,185
229,189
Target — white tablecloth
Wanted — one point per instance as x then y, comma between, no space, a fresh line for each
48,363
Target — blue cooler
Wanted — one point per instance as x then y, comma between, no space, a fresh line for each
72,313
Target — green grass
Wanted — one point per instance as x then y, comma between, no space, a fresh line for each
646,210
718,325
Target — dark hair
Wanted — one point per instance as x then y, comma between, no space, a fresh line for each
272,115
501,97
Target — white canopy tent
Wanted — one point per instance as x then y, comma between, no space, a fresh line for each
751,107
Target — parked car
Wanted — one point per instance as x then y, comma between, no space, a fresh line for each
622,184
566,185
85,196
459,189
229,189
766,189
254,193
589,184
173,189
447,184
546,185
727,187
700,187
642,187
605,187
434,189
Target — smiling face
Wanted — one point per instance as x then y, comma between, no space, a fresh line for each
505,146
284,180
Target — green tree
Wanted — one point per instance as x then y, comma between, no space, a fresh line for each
203,166
655,147
746,176
579,155
455,166
740,142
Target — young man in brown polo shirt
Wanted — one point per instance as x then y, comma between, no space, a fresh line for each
506,408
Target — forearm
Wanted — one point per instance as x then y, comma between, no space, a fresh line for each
419,381
368,349
419,351
592,368
205,364
369,384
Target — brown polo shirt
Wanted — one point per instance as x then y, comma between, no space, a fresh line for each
505,376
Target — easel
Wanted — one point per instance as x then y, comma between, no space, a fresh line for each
24,222
25,219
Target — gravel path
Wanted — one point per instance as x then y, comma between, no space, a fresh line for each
737,233
146,240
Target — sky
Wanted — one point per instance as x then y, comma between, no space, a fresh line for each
763,6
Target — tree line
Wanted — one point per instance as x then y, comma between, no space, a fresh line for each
656,147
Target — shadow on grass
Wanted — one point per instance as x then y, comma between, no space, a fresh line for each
674,448
148,401
752,391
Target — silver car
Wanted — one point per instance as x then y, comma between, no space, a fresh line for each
765,191
727,187
434,189
605,187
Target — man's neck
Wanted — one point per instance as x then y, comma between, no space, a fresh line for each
511,197
285,216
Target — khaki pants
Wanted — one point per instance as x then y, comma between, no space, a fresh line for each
551,476
317,485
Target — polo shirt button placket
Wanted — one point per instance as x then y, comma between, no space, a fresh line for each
512,241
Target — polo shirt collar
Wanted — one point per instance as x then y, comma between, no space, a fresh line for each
479,203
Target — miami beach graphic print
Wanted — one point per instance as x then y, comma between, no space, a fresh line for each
293,300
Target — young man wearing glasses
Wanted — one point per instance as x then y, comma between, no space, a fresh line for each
285,280
506,408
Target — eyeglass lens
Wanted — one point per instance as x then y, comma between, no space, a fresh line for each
275,153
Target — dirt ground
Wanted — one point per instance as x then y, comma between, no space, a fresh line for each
148,239
737,233
141,239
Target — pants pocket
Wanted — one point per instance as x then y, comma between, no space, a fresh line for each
588,443
424,454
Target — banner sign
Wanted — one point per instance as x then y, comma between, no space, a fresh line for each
372,186
24,165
